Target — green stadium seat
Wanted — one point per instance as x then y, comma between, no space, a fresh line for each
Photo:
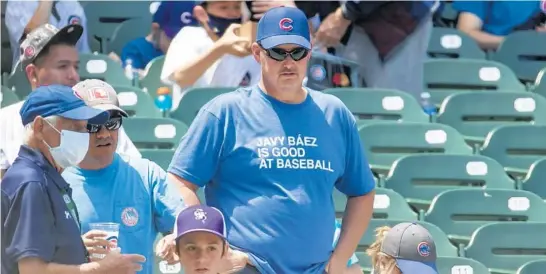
373,105
384,143
192,101
516,147
152,80
444,77
540,83
136,102
460,265
534,267
128,31
504,247
523,52
452,43
100,66
449,14
443,172
443,246
8,97
536,178
387,205
18,81
474,114
154,133
162,157
459,212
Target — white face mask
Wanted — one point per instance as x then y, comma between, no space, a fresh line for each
71,150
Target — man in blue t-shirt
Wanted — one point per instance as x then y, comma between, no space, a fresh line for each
270,156
109,187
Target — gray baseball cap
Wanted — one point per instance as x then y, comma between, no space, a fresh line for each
42,36
98,94
413,248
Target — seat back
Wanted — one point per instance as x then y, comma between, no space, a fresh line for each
534,267
371,105
460,265
452,43
540,83
18,81
128,31
536,179
508,245
444,77
161,157
387,205
477,207
136,102
100,66
193,100
384,143
8,97
154,133
517,146
444,172
473,114
152,80
523,52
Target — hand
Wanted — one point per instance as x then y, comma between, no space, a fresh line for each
233,44
96,243
541,28
332,29
336,265
165,249
234,261
115,263
259,7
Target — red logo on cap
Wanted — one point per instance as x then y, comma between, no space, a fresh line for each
286,24
98,94
29,51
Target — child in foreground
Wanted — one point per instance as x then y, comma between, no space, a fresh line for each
406,248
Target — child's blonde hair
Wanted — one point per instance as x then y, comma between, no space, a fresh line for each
381,262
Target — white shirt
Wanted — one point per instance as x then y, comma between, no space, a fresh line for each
12,133
228,71
19,13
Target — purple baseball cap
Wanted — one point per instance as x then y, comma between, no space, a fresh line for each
172,16
200,218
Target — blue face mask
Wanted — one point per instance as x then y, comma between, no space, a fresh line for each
219,25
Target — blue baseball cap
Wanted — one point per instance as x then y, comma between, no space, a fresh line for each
200,218
283,25
172,16
61,101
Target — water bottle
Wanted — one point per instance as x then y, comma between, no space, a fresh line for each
130,72
164,101
428,106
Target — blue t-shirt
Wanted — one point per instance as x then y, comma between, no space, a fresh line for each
499,17
141,52
271,167
132,192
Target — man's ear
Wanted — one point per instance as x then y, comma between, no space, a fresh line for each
38,127
256,50
31,72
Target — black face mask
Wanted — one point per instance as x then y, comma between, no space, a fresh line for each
219,25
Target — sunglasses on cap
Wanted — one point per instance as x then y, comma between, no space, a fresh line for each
279,54
111,125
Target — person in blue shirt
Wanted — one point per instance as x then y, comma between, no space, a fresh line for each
270,156
169,18
489,21
40,223
109,187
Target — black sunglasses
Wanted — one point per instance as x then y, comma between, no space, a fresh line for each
279,54
111,125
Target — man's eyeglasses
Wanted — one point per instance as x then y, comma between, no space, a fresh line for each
279,54
111,125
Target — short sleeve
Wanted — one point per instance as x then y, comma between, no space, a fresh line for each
197,156
357,179
167,200
28,218
181,51
478,8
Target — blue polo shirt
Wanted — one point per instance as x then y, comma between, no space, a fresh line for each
132,192
35,218
499,17
271,167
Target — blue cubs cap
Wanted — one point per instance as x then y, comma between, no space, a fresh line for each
283,25
413,248
61,101
172,16
200,218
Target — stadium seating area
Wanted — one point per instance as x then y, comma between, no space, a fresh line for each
474,174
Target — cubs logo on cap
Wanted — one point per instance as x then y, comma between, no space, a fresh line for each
423,249
286,24
29,52
283,25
